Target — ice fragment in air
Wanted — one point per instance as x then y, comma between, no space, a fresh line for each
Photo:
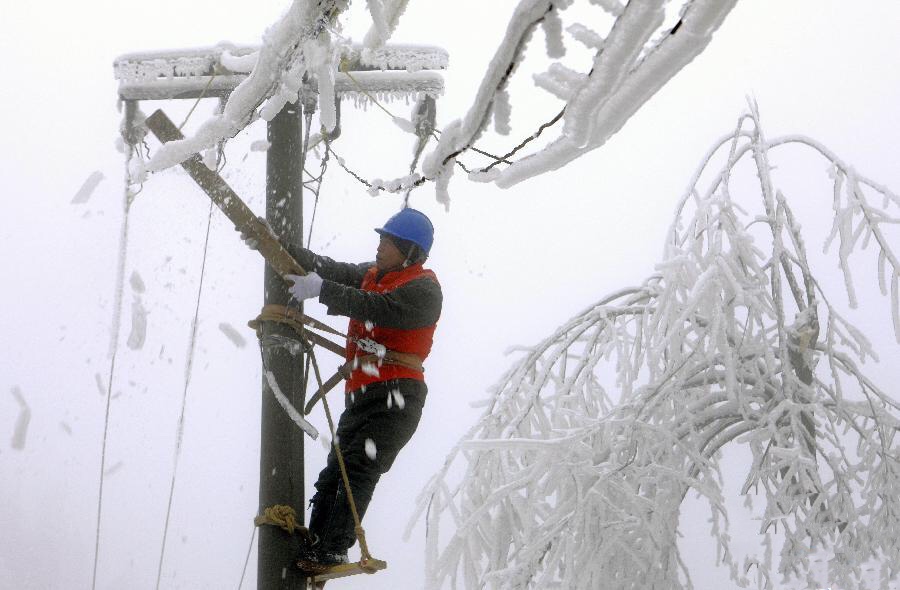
260,146
232,334
21,428
405,124
138,334
371,451
110,470
87,189
100,386
137,283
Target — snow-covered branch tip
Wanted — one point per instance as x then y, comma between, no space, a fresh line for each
634,58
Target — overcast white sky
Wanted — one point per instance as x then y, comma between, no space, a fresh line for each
513,264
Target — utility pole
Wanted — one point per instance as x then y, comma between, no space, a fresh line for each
281,443
199,73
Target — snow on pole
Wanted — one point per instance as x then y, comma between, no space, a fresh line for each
291,411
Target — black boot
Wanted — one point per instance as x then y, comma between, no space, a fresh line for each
316,559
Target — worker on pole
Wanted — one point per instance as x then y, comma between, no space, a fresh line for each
393,305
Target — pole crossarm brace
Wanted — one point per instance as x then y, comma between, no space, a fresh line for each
217,71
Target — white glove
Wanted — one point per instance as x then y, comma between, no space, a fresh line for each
252,242
305,287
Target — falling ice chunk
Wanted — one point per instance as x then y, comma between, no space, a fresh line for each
101,387
371,451
399,399
21,429
87,189
370,369
111,470
232,335
369,326
405,124
260,145
137,283
138,334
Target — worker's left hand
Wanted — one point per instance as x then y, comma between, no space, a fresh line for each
305,287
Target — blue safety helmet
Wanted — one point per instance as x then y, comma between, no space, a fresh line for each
410,225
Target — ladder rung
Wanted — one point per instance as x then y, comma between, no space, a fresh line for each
350,569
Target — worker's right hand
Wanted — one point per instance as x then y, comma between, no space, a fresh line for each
304,287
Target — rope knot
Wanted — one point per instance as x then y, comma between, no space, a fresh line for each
279,515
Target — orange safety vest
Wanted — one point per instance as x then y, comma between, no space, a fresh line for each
415,342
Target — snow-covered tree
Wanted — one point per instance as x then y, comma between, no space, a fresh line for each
575,474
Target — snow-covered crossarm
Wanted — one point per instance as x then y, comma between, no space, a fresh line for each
576,472
405,71
300,47
362,87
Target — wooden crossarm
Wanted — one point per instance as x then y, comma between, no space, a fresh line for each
243,218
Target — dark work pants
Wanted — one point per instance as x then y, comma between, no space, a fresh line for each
386,414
